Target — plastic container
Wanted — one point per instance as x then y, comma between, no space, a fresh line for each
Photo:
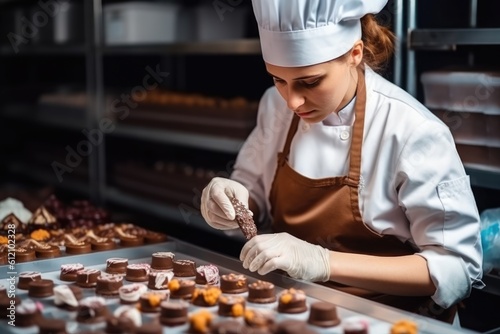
480,156
490,238
462,91
472,128
215,23
140,23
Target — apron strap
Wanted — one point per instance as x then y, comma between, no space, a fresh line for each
357,132
282,156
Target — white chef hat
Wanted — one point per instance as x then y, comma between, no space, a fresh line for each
306,32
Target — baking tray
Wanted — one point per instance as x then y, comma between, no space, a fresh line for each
380,317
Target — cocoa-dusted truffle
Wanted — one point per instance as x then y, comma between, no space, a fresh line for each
244,219
323,314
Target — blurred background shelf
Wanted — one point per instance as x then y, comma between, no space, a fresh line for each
442,38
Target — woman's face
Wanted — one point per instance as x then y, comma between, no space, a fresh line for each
314,92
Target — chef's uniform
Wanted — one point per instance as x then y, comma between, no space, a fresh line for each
381,177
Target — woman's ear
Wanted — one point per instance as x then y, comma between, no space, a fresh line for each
356,55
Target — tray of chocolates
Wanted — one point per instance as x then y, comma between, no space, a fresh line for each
175,287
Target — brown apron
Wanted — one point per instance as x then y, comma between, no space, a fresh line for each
326,212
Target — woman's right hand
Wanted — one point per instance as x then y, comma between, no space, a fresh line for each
216,206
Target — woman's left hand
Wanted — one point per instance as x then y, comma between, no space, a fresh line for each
300,259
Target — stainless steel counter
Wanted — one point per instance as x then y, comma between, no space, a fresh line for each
347,304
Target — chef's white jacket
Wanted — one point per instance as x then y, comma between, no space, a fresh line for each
413,183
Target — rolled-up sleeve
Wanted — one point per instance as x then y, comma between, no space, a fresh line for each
438,201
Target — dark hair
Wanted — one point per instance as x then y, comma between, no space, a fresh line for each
378,42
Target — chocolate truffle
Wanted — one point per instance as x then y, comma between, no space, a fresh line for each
158,280
78,248
42,218
41,288
26,277
207,296
92,310
67,296
24,255
102,244
207,275
28,313
261,292
12,223
87,278
47,251
151,300
51,326
181,289
108,285
115,325
137,272
292,326
162,260
116,265
231,306
173,313
149,328
155,237
260,318
227,327
323,314
131,241
292,301
68,271
130,293
184,268
233,283
129,312
355,326
200,321
404,327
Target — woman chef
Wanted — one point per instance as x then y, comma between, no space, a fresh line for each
361,183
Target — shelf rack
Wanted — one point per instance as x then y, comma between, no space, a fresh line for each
451,38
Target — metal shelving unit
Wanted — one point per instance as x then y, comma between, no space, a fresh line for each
450,39
227,47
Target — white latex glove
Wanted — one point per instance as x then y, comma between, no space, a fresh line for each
216,206
300,259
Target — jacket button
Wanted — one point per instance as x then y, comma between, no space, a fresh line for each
344,135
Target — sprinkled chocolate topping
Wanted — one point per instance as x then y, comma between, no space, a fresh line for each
244,219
